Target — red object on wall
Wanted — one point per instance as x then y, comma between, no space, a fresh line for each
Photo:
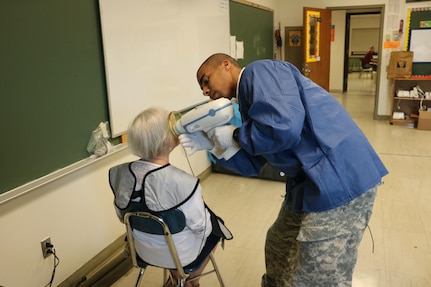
332,33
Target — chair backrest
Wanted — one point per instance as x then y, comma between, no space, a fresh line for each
174,219
165,224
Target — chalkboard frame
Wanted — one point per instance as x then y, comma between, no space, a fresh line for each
53,88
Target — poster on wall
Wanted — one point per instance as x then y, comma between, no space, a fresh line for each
294,38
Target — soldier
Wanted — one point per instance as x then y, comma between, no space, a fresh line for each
332,170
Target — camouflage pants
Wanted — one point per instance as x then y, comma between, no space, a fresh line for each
318,248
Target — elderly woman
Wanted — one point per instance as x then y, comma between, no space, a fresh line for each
152,183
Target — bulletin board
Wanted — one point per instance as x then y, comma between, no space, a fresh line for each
418,29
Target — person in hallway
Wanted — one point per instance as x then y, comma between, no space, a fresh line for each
368,61
332,170
153,184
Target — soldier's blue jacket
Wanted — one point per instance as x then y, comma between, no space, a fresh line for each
300,129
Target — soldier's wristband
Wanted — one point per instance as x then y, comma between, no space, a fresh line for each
235,135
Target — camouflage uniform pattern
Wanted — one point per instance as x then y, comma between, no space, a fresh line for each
317,248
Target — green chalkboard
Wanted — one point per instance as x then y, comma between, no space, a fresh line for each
255,27
52,86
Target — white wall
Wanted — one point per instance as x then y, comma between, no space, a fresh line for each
367,30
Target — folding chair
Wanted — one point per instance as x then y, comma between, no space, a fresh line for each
365,68
169,223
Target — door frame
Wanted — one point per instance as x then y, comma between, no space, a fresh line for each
347,43
355,10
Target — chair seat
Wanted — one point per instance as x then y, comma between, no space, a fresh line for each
366,70
210,243
206,250
160,226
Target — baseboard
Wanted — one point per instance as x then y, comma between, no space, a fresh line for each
203,175
113,274
336,91
103,269
381,117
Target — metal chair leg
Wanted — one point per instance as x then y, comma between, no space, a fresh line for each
220,279
165,275
138,280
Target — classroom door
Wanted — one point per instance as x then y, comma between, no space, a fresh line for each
317,41
293,50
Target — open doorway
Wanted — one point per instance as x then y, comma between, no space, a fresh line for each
341,53
362,35
363,28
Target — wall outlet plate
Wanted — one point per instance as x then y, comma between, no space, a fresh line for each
44,244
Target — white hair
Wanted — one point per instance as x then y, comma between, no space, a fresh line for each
149,133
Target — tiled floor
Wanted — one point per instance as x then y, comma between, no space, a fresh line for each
400,255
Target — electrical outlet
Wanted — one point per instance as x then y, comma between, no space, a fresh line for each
46,247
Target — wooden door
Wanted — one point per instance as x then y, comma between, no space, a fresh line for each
317,41
293,50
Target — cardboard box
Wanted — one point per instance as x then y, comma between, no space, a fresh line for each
424,122
400,64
